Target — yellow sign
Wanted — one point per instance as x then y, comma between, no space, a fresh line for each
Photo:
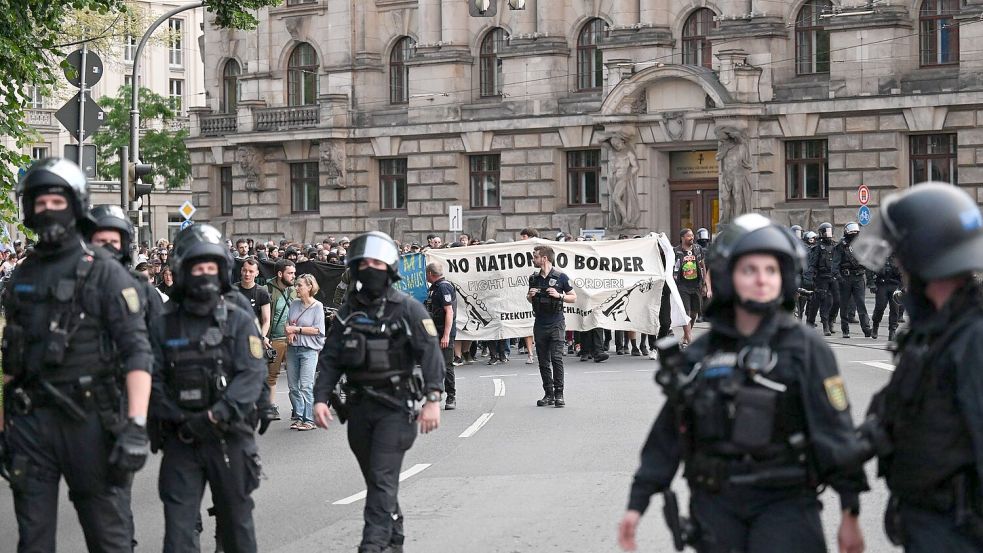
698,165
187,209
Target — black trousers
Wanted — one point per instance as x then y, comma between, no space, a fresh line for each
821,301
928,532
882,300
550,340
592,341
450,388
758,521
47,445
834,301
184,471
852,291
380,436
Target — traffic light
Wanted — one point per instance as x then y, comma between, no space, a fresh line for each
137,172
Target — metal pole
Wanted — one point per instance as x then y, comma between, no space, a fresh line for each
82,73
134,93
124,178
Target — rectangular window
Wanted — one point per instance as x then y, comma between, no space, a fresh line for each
304,187
583,177
35,97
225,190
129,48
39,152
175,41
174,222
806,170
392,183
177,95
485,179
933,158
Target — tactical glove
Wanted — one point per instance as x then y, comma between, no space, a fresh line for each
265,416
131,449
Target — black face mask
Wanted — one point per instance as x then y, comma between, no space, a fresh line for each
203,291
851,237
760,308
372,284
53,226
117,254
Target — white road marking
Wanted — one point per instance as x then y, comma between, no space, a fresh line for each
533,374
496,375
476,426
499,387
878,365
644,370
412,471
600,372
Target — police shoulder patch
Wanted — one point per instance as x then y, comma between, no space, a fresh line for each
430,327
256,347
836,392
132,299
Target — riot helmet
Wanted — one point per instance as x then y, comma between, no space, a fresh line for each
825,231
370,284
934,229
110,217
703,237
850,231
196,243
796,231
810,238
753,233
54,176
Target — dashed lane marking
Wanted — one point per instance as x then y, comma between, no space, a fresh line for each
496,375
412,471
476,426
499,387
878,365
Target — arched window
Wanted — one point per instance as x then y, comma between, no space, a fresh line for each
399,73
939,40
590,60
811,40
302,76
696,45
491,75
230,86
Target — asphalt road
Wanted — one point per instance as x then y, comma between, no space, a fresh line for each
500,475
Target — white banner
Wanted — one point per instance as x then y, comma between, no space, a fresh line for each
618,284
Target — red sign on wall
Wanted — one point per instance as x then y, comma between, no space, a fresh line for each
864,194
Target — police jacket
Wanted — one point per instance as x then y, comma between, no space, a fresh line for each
820,262
844,262
889,274
412,341
932,407
814,405
230,352
88,294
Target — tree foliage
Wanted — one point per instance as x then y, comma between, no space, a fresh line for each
35,36
161,144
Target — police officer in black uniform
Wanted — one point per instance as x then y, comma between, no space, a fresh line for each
927,423
210,374
549,289
442,305
756,412
806,294
75,339
884,284
377,338
820,271
851,280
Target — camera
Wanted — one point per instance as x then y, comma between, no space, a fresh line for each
270,354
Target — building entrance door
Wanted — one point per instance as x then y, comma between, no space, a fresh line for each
694,206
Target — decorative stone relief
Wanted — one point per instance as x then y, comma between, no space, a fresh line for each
622,181
734,159
332,153
248,158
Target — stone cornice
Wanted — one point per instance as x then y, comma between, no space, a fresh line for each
751,27
883,16
636,36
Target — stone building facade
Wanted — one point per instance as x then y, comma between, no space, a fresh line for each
629,115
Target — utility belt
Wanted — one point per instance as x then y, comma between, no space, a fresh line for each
75,399
401,394
852,272
713,473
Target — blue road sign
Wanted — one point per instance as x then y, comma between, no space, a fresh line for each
188,222
864,215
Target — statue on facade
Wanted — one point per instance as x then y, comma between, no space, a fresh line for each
623,182
248,159
332,163
734,159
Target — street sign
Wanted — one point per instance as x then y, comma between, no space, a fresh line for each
187,223
68,116
88,157
864,215
456,218
93,68
188,210
864,194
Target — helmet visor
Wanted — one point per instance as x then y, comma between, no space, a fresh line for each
872,247
374,247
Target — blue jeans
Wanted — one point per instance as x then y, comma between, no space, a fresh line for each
301,364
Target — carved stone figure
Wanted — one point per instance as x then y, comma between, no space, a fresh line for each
734,159
623,182
249,162
333,163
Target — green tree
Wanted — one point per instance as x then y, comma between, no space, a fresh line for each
36,35
160,146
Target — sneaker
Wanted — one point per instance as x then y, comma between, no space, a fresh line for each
584,357
493,361
570,349
457,362
450,404
469,359
547,400
846,334
530,360
653,355
600,357
276,413
635,352
504,360
644,350
484,352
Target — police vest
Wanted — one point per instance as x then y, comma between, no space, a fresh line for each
849,263
825,265
542,303
373,352
923,416
195,367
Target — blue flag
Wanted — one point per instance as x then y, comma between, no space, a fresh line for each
413,275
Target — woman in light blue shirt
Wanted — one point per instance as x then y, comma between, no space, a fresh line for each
305,339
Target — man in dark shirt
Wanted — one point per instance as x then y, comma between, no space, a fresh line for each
259,297
691,274
549,289
442,305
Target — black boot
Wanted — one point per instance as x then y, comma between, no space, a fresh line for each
846,333
600,357
547,400
890,335
450,404
827,330
644,348
558,401
873,332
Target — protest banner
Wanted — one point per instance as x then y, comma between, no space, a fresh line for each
618,285
413,276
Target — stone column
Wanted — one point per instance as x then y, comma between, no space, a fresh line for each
525,21
428,20
454,21
654,12
624,13
551,18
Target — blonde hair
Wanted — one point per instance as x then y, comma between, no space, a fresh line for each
310,281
